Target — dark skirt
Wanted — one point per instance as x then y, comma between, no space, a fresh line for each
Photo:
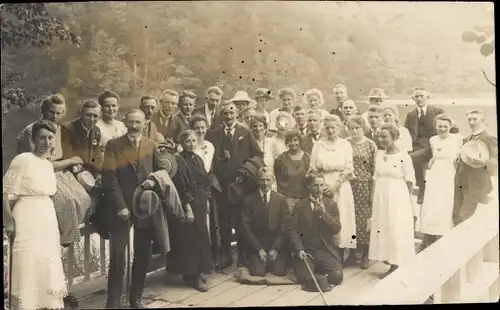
362,192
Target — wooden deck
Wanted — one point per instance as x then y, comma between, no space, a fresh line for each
163,291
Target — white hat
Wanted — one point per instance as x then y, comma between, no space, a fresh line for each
242,96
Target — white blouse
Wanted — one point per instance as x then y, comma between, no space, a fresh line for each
110,131
206,152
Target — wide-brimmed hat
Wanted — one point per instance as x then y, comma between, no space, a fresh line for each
264,93
377,93
474,149
86,179
310,286
242,96
145,202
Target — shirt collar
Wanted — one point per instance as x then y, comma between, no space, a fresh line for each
424,109
478,132
268,194
138,138
233,126
312,200
209,112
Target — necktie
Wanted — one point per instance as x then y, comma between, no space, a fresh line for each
228,134
136,143
421,113
264,198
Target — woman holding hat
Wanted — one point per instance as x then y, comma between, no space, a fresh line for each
38,279
284,123
288,102
190,253
437,207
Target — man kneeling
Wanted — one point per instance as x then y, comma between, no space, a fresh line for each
314,222
265,215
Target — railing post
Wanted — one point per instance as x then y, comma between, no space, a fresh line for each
474,267
491,251
86,257
102,255
451,289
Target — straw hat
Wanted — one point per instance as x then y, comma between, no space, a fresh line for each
242,96
86,179
263,93
144,202
377,93
474,149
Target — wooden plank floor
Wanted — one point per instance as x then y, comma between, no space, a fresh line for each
166,292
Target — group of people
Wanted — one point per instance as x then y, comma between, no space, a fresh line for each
297,184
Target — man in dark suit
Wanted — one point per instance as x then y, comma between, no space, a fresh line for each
210,108
163,117
234,144
128,162
374,116
81,137
300,116
180,121
314,126
340,95
472,185
148,106
349,108
265,216
420,124
314,223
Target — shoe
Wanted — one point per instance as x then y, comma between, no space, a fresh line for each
70,302
388,272
350,261
199,285
203,278
137,304
365,262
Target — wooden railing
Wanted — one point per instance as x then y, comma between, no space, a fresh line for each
461,267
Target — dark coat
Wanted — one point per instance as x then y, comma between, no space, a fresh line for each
163,125
76,142
369,135
125,168
151,132
304,222
478,180
177,125
244,146
216,122
264,226
190,244
307,143
411,123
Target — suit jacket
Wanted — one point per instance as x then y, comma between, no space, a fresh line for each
244,146
163,125
216,122
124,169
304,222
264,227
307,143
337,111
369,135
478,180
76,141
177,125
411,123
151,132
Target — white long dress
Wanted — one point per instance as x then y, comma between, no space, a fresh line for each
37,271
437,207
332,160
392,228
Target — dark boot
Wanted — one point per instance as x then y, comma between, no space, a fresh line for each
137,303
365,261
421,193
70,302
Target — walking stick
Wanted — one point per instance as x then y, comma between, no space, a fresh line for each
127,291
11,243
315,281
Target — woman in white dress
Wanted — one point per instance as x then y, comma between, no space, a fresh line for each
331,156
391,116
437,207
108,124
392,223
314,100
37,271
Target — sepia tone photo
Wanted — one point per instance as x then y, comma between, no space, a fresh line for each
171,154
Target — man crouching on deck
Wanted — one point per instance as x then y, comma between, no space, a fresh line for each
265,215
314,223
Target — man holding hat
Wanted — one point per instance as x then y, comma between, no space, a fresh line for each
128,162
477,164
234,144
265,215
420,124
262,97
314,223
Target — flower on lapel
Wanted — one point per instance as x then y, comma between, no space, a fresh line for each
240,138
94,142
